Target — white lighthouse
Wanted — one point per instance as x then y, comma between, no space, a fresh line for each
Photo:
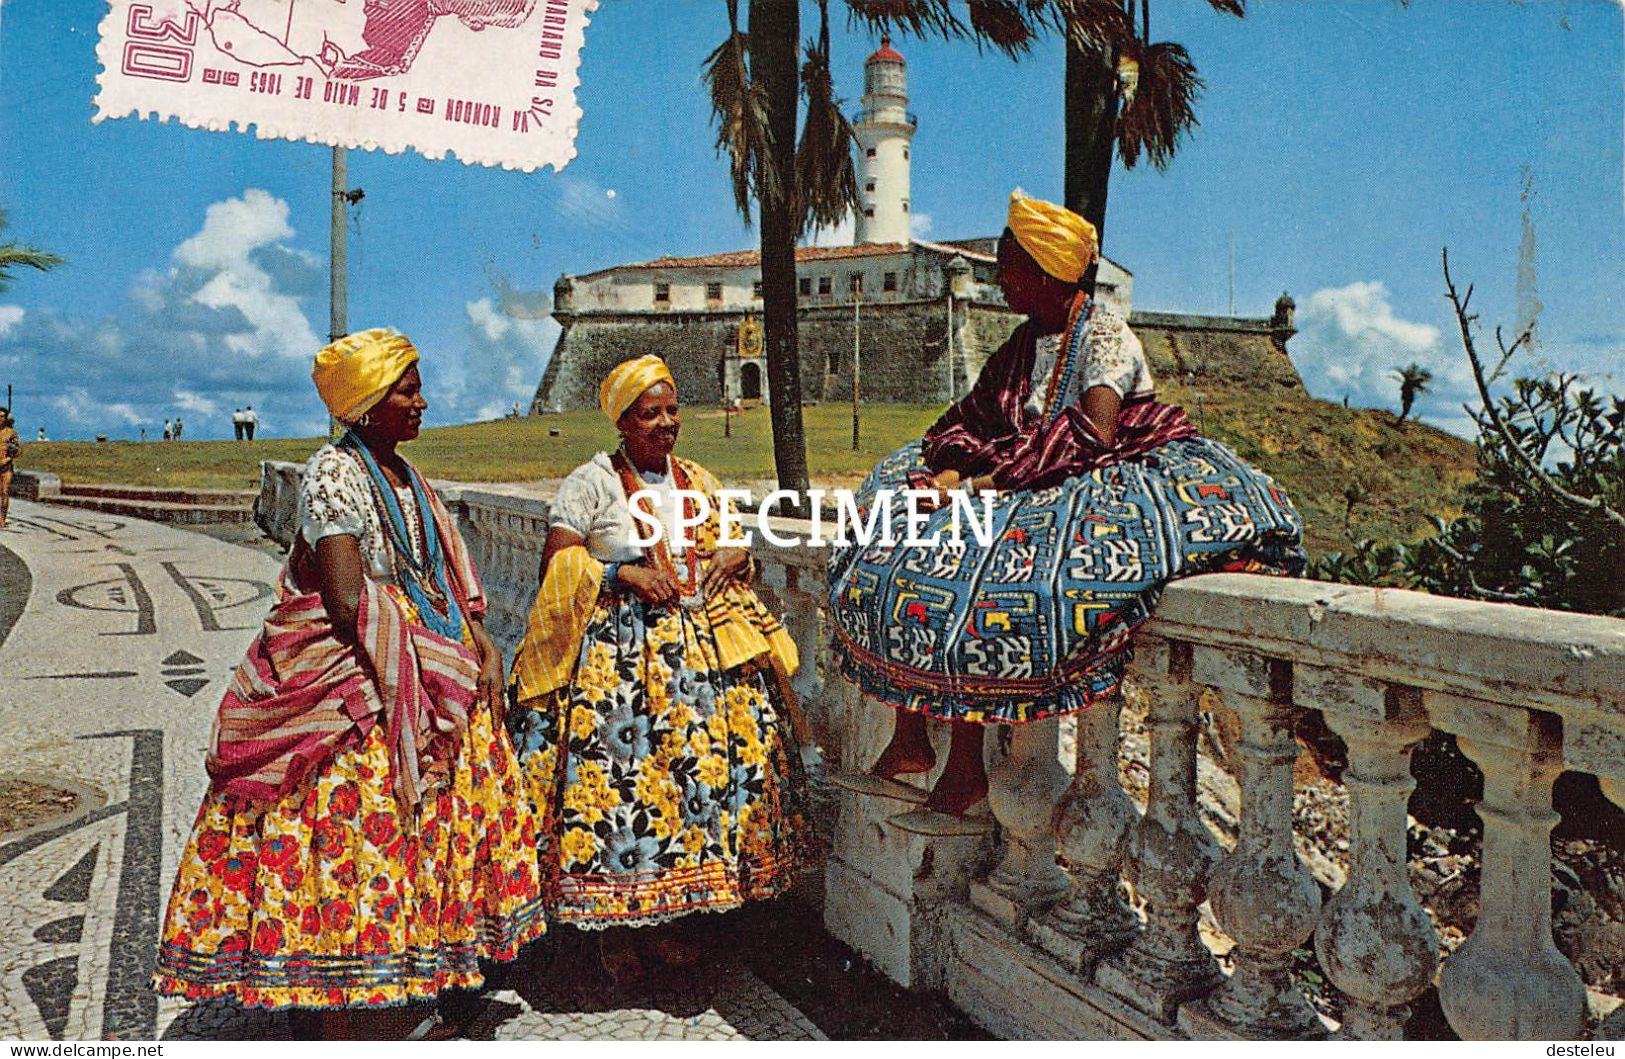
884,130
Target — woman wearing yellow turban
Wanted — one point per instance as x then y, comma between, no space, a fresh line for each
650,688
1103,495
366,840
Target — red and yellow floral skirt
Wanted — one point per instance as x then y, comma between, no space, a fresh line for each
329,898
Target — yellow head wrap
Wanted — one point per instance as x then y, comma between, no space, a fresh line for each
1063,244
355,372
627,382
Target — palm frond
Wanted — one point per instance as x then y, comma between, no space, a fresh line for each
826,182
1163,106
1091,25
917,18
1011,26
1231,7
15,255
740,109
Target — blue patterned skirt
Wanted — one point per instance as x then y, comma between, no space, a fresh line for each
1039,623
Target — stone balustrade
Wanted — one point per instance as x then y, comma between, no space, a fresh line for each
1033,946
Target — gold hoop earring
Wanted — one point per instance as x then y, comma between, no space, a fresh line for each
364,419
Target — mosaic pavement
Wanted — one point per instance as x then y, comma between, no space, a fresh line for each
116,639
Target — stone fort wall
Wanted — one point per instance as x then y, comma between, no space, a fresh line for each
902,357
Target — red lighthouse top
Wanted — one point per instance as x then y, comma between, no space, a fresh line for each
886,54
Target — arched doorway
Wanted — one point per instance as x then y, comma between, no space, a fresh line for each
750,381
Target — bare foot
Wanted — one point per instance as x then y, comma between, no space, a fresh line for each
956,794
899,759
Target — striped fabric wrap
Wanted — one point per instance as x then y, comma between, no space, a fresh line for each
301,694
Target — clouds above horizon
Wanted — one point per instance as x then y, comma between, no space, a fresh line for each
224,322
1350,342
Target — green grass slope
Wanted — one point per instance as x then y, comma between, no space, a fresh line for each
1314,449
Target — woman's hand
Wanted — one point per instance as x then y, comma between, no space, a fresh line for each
943,482
728,564
654,587
489,685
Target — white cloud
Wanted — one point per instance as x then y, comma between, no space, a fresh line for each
843,234
224,251
919,225
217,325
1350,341
502,363
79,407
10,317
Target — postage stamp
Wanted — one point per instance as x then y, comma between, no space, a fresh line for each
491,81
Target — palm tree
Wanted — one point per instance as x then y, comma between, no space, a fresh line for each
1125,95
1413,381
15,255
757,82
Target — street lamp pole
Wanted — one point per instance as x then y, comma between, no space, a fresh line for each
857,345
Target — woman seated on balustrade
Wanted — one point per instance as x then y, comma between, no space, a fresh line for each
1103,496
652,698
366,840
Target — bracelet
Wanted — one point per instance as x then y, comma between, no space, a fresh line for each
612,573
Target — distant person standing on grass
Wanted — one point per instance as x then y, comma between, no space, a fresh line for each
237,423
10,446
177,428
169,431
42,433
251,420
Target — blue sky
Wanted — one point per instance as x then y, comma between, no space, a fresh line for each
1342,143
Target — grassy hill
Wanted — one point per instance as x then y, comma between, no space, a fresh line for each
1313,448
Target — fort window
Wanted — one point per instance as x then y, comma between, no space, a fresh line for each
855,282
869,186
834,362
905,154
888,282
905,205
824,285
868,211
662,293
756,289
804,286
713,292
870,153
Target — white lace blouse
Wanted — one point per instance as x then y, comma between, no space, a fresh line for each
591,503
336,496
1113,356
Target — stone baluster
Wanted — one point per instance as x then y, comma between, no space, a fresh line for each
1375,941
804,601
1023,791
1093,830
1170,855
1262,894
1613,1027
1508,981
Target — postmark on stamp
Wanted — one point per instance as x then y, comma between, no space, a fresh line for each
491,81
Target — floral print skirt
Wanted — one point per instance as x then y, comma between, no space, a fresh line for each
663,784
331,898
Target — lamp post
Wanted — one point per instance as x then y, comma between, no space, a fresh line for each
857,347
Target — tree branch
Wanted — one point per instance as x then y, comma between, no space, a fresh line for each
1520,457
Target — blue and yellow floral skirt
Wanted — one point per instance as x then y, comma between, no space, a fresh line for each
663,784
1038,622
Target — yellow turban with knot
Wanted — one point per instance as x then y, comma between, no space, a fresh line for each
627,382
1063,244
355,372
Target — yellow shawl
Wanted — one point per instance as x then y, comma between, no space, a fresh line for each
745,629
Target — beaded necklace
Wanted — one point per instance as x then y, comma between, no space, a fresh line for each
660,553
424,582
1066,361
